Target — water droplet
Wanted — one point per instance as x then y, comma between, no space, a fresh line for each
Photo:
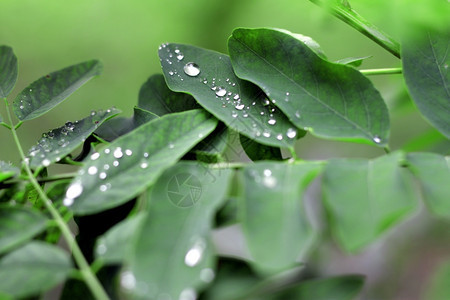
267,172
200,135
234,114
268,180
297,114
144,165
101,249
102,175
171,145
106,167
188,294
207,275
68,201
195,254
279,136
21,107
266,133
116,163
127,280
236,97
74,191
118,152
180,57
287,93
95,156
145,154
266,102
245,115
128,152
191,69
107,151
240,106
103,188
291,133
272,121
220,92
377,139
171,73
92,170
46,162
70,126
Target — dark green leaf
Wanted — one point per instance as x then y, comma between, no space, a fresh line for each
50,90
32,269
114,245
273,195
352,61
156,97
433,172
211,149
8,71
366,197
173,254
7,171
134,161
59,142
17,225
256,151
330,100
237,103
142,116
425,67
439,288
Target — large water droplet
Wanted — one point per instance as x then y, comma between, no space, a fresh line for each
291,133
92,170
46,162
191,69
195,254
74,191
95,156
118,152
220,92
240,106
377,139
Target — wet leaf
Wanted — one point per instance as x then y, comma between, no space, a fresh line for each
425,66
134,161
364,198
330,100
58,143
50,90
208,76
8,71
433,172
272,195
32,269
19,224
7,171
256,151
173,254
353,61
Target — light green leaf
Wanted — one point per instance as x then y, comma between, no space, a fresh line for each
440,285
134,161
17,225
353,61
32,269
208,76
425,66
433,172
8,71
273,195
156,97
115,244
330,100
366,197
50,90
173,254
7,170
60,142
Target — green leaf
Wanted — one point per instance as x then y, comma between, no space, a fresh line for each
58,143
17,225
211,149
366,197
330,100
7,171
8,71
156,97
433,172
425,66
134,161
256,151
440,285
114,245
32,269
352,61
237,103
173,254
273,195
50,90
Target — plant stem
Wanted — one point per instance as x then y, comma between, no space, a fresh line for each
384,71
344,12
89,278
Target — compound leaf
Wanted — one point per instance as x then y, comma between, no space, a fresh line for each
330,100
272,194
182,205
59,142
208,76
8,71
366,197
50,90
426,61
433,172
19,224
32,269
134,161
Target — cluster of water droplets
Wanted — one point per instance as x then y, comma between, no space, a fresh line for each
265,178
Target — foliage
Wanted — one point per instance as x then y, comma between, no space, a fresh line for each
157,183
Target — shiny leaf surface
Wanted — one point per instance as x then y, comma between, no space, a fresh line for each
8,71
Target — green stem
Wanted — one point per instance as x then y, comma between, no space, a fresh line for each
344,12
384,71
89,278
5,125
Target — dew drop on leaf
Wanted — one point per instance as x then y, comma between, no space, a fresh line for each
195,254
234,114
272,121
95,156
127,280
144,165
207,275
92,170
102,175
220,92
128,152
118,152
377,139
46,162
240,106
279,136
187,294
191,69
291,133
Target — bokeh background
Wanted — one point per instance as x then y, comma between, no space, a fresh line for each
125,35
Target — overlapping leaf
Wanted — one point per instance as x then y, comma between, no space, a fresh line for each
8,71
366,197
134,161
330,100
433,172
17,225
50,90
32,269
59,142
426,61
208,76
273,195
173,254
